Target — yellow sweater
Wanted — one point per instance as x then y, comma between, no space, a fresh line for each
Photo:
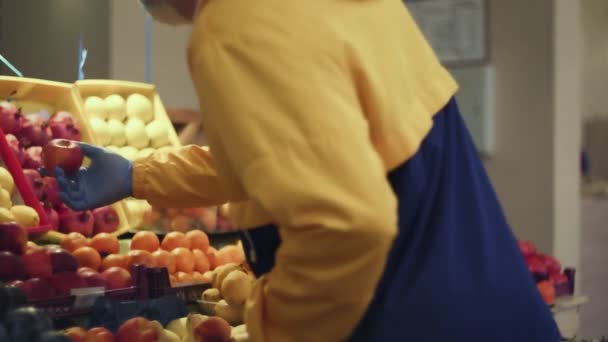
307,105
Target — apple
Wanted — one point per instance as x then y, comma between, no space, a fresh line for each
80,222
33,157
101,130
25,216
39,289
140,107
62,260
11,267
106,220
64,282
5,199
66,154
10,118
13,238
34,132
94,106
100,334
6,180
137,329
77,334
117,278
117,132
158,133
115,107
92,278
6,216
136,133
16,147
128,152
527,248
213,329
37,263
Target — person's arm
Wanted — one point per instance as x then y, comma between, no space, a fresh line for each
291,127
185,177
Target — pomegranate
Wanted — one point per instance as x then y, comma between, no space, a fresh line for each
64,131
80,222
50,191
10,118
15,146
106,220
66,154
51,215
33,157
35,182
63,117
35,132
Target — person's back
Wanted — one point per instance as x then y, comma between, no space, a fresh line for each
455,272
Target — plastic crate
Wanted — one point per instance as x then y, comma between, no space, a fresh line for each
34,95
160,286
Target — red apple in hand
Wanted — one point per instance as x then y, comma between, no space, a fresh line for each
66,154
137,329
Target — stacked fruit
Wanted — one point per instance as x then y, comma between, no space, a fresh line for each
127,127
27,134
187,256
19,322
179,220
9,211
546,270
232,285
196,327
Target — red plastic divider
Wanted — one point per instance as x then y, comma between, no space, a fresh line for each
23,186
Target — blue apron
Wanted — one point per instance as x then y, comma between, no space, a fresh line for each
455,272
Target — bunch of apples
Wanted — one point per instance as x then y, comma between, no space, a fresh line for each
188,257
546,270
10,212
127,126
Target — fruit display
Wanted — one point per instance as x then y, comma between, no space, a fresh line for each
231,286
188,257
42,122
12,207
547,271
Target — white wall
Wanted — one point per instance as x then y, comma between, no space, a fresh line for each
595,85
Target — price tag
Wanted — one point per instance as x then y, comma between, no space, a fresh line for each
85,297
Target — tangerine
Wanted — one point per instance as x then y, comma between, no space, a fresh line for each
114,260
105,243
163,258
183,278
184,260
139,257
174,240
198,240
73,241
88,257
201,262
145,241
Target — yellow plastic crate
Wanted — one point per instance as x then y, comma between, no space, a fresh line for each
35,94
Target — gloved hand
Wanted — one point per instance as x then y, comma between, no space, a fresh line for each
105,181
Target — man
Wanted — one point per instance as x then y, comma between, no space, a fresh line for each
334,134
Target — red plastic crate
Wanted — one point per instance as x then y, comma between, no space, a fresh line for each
22,185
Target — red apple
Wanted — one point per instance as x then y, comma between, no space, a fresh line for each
137,329
39,289
99,334
213,329
33,157
11,267
64,282
62,260
15,146
106,220
76,334
92,279
66,154
80,222
37,263
13,238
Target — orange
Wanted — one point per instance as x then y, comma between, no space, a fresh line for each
163,258
183,278
114,260
233,253
174,240
145,241
201,262
212,257
199,278
180,223
87,257
198,240
184,260
73,241
139,257
172,280
105,243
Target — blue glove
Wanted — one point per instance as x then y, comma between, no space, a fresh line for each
105,181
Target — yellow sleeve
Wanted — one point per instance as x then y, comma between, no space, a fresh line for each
185,177
289,122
